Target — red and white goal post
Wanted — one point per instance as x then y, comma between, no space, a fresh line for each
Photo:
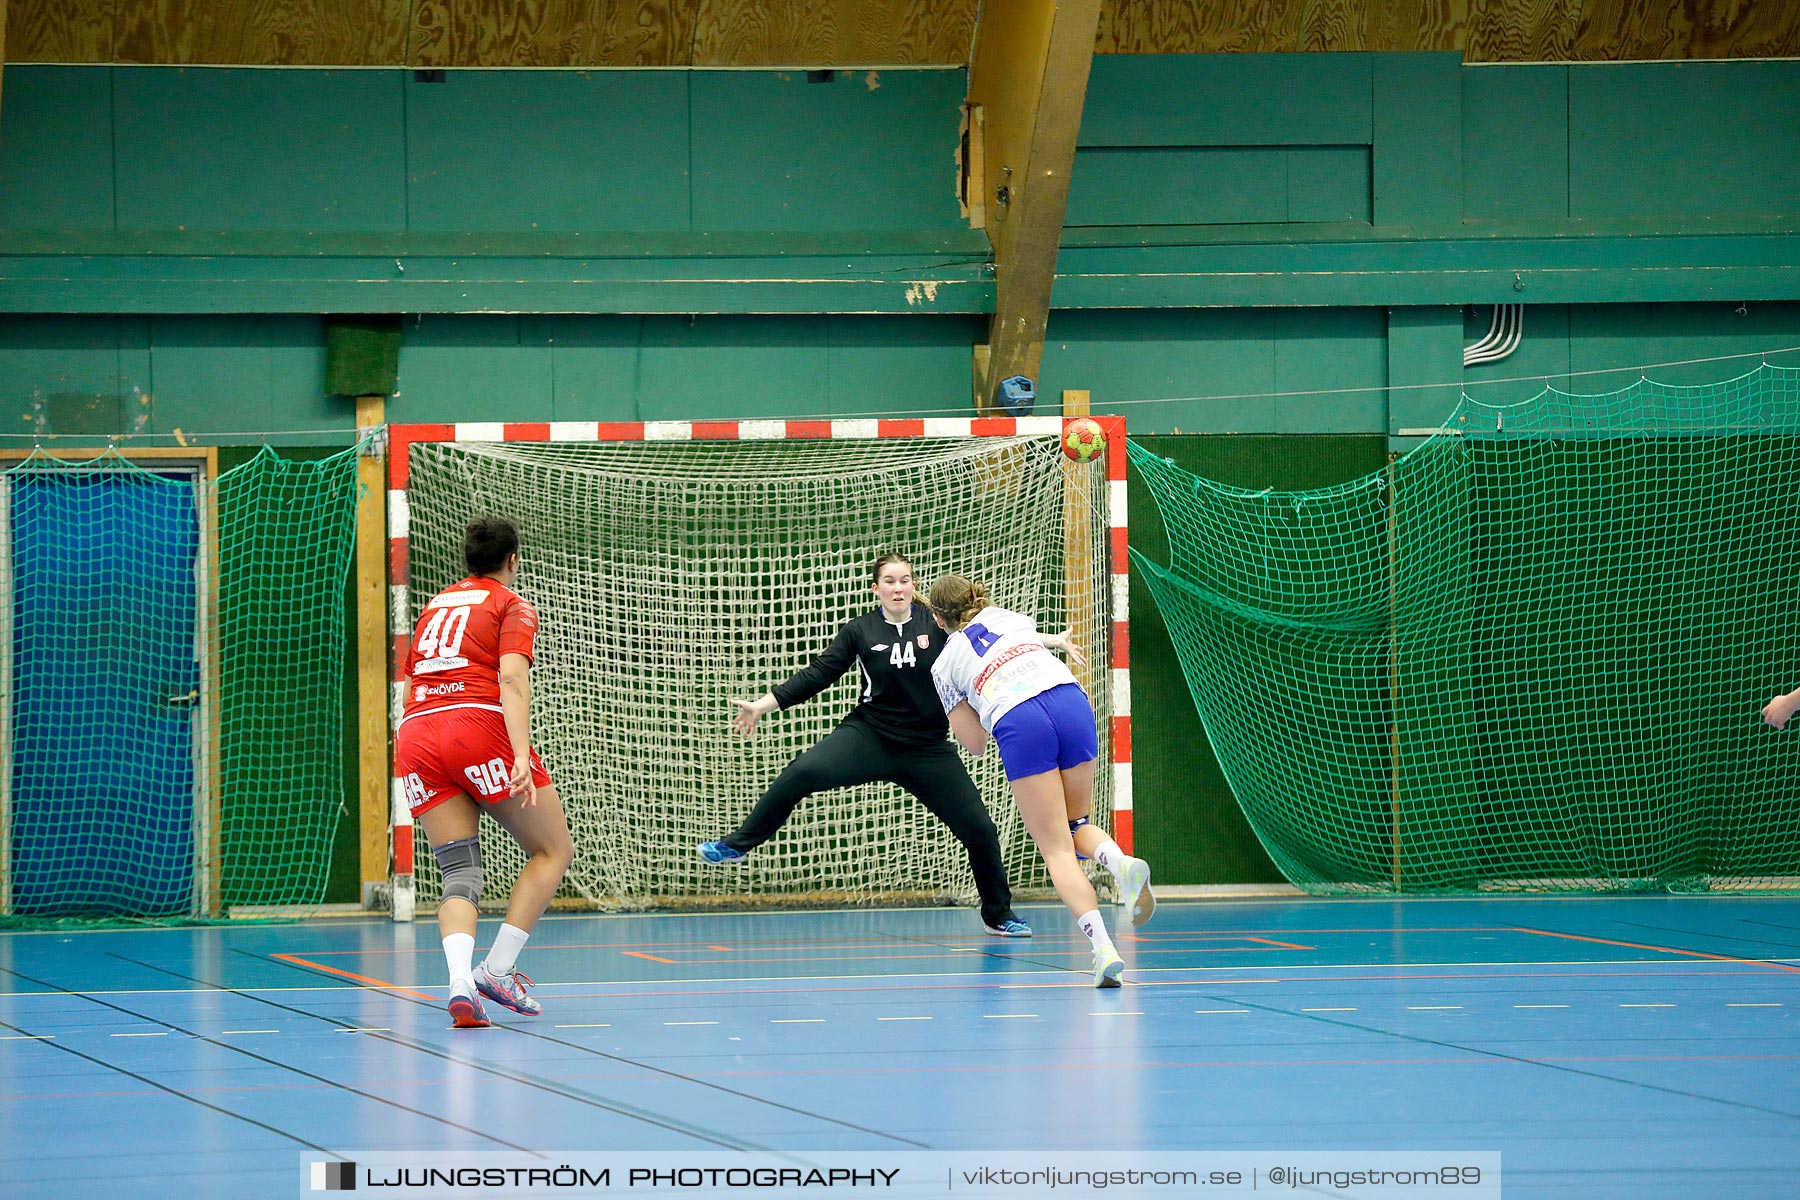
676,564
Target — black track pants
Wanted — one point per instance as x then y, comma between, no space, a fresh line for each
851,754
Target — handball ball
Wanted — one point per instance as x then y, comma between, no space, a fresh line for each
1083,440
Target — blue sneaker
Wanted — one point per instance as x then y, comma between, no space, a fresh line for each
1010,927
721,852
508,990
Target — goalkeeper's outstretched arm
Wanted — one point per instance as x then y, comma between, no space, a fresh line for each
802,685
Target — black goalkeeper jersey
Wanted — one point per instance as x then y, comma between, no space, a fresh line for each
897,700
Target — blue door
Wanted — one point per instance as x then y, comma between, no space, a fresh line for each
104,692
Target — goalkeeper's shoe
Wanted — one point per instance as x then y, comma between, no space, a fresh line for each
1134,890
1108,967
465,1009
508,990
721,851
1008,927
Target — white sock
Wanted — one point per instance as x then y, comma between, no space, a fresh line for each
1095,928
507,944
1108,855
459,952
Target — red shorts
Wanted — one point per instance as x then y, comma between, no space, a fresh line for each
438,754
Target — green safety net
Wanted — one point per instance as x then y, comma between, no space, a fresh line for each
174,658
1528,656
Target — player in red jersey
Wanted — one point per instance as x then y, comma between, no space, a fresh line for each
464,745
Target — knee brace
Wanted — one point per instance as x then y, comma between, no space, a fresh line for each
1077,823
461,864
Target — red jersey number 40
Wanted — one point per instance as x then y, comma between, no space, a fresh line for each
443,634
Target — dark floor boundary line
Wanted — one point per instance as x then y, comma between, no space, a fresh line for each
1414,1038
713,1136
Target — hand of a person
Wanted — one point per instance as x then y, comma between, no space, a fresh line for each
521,780
1065,642
1777,711
751,711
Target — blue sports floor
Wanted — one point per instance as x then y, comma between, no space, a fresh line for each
1608,1048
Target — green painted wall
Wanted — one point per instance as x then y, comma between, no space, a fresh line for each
668,368
167,378
1248,369
1594,338
1219,185
309,153
1679,139
1354,181
1225,371
1452,142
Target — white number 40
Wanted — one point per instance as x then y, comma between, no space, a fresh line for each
444,633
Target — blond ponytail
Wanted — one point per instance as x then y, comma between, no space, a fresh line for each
957,600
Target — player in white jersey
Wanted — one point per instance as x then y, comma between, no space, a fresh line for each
997,675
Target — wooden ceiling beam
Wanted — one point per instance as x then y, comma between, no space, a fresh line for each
863,33
1028,80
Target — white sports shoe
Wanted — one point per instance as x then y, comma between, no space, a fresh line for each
1134,890
508,990
1108,967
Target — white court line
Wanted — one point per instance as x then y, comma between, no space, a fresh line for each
28,1037
1139,972
1049,974
1082,976
810,980
215,991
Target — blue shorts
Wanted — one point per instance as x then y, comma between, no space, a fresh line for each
1053,730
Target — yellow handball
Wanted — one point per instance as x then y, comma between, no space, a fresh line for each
1083,440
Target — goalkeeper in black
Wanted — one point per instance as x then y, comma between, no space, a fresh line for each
897,733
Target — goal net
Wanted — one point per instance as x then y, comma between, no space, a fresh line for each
174,687
672,576
1529,656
